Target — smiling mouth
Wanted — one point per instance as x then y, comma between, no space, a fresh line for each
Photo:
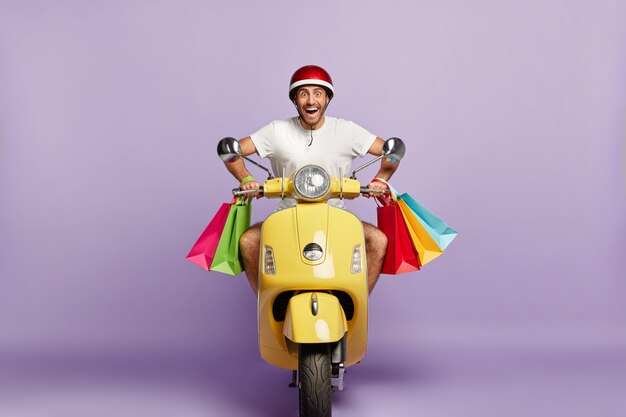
311,110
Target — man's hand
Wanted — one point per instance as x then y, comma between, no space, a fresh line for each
376,185
251,185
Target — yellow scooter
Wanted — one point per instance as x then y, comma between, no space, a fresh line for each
313,294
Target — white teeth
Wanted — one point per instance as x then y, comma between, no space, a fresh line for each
311,108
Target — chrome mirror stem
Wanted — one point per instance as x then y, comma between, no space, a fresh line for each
269,173
378,158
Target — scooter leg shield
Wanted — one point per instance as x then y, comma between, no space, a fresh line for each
314,317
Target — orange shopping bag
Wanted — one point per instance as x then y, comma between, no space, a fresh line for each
423,243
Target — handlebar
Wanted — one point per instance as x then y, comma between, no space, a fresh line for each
364,190
238,192
373,191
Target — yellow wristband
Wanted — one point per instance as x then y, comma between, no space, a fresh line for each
247,179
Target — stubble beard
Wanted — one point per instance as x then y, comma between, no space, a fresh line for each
317,121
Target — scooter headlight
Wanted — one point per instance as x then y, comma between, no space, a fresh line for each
313,252
311,182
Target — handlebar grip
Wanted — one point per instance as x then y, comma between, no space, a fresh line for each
238,191
365,190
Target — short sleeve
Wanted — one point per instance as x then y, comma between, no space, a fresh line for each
360,139
263,140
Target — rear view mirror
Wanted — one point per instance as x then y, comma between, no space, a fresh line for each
393,150
229,149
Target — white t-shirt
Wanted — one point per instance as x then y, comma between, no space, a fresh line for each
288,145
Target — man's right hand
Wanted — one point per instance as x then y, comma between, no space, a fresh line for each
251,185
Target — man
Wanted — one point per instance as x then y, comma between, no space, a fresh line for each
311,138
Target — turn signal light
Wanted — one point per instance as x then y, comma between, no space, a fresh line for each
356,260
269,267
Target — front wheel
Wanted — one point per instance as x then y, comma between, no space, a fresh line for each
315,380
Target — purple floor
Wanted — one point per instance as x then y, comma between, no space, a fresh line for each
462,382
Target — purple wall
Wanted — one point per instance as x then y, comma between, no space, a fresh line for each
513,114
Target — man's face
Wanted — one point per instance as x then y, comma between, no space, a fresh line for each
311,102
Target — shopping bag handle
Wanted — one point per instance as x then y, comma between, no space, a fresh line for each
387,197
384,200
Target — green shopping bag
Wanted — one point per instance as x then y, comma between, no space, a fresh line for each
227,259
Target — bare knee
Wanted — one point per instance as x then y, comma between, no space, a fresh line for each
375,239
249,240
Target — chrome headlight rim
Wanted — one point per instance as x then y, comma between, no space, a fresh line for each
306,170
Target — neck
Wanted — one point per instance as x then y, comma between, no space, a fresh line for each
307,126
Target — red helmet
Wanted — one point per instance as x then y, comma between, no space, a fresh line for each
311,75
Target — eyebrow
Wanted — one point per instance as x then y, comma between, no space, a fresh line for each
316,89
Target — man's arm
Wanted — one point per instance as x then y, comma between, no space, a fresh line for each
238,168
386,168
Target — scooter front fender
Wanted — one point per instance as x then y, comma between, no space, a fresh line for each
314,317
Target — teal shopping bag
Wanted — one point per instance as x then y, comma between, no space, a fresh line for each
441,233
227,259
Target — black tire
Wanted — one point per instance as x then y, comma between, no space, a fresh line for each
315,380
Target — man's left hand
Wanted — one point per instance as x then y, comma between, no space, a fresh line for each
376,185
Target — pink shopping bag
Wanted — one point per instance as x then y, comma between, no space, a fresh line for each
203,250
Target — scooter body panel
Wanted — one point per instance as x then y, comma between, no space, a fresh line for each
313,317
287,232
